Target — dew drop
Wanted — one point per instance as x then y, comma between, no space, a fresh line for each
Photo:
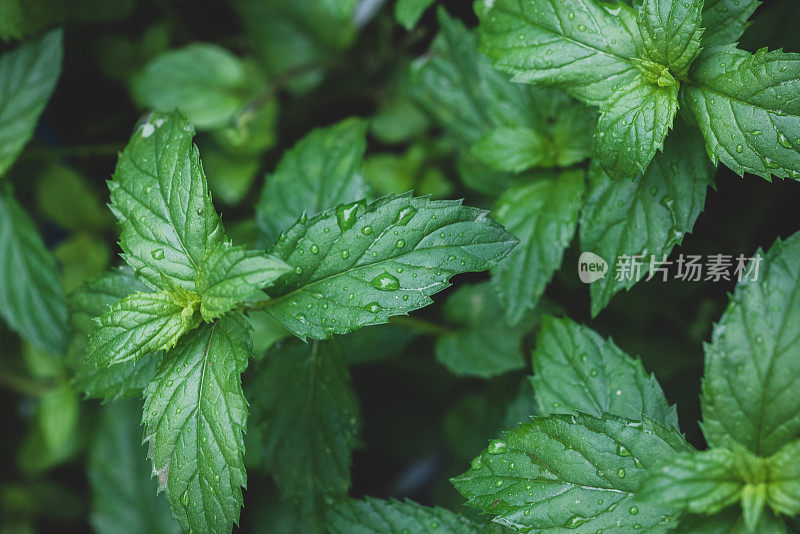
345,254
400,243
185,498
298,270
634,510
575,521
385,282
314,249
373,307
346,215
783,141
366,230
158,254
621,473
497,447
623,451
405,215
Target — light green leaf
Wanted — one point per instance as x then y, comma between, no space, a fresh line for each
697,482
726,20
576,370
137,325
511,149
123,500
195,415
159,194
581,46
228,275
82,256
783,488
323,169
408,12
28,76
543,214
572,472
746,105
480,343
671,31
208,83
358,264
57,416
230,177
91,300
309,423
648,216
751,365
730,521
375,516
32,301
67,198
633,125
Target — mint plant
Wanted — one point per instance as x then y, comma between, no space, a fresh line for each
236,317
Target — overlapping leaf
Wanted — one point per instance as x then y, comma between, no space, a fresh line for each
726,20
374,516
359,264
671,31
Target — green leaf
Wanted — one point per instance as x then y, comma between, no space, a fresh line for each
408,12
543,214
159,194
648,216
195,415
228,275
751,367
123,501
230,177
208,83
783,480
633,125
511,149
746,105
376,516
671,31
697,482
323,169
67,198
32,301
726,20
91,300
358,264
576,370
137,325
569,472
730,521
309,424
28,76
581,46
481,343
57,416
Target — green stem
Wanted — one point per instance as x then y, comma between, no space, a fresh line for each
99,149
21,384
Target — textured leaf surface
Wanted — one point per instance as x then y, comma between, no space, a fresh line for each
359,264
93,300
511,149
701,482
28,76
633,125
647,216
228,275
137,325
195,415
323,169
208,83
581,46
576,370
671,32
726,20
543,214
309,424
32,301
123,500
374,516
408,12
748,109
571,472
160,196
750,392
481,342
783,490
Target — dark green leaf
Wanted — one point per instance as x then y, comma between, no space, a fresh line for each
726,20
374,516
671,31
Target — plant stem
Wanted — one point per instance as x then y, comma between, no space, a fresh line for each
21,384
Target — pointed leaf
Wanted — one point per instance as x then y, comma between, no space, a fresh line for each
576,370
159,194
28,76
648,216
726,20
750,393
671,31
748,109
323,169
564,472
581,46
228,275
375,516
195,415
408,12
309,423
32,301
543,214
359,264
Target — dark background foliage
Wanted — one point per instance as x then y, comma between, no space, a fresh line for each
421,424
